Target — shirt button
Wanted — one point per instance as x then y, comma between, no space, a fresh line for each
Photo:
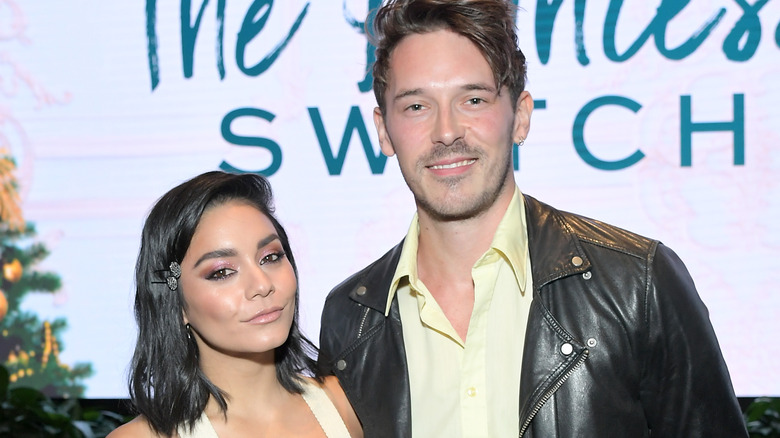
576,261
587,275
471,392
361,291
341,364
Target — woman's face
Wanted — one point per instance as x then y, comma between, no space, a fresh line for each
238,285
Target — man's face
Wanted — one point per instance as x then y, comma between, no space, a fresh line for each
451,129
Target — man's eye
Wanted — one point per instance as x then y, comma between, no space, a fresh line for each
415,107
476,100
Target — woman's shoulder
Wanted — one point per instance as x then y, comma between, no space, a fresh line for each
332,388
137,427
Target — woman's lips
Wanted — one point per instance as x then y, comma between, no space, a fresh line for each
266,316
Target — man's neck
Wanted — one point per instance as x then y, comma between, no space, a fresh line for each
446,253
449,249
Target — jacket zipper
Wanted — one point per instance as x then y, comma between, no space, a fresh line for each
551,391
362,322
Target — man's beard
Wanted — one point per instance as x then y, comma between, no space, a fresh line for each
468,209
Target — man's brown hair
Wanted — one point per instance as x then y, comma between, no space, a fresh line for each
489,24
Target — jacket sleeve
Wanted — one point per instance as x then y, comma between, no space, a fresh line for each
686,390
330,334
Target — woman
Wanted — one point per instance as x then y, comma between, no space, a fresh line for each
219,350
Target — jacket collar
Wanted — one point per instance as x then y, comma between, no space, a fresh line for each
554,248
373,293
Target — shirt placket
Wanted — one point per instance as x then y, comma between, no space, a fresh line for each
474,409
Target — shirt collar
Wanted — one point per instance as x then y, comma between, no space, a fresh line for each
510,240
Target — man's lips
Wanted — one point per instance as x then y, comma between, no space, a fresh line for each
454,165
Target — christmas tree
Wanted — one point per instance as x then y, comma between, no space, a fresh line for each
29,348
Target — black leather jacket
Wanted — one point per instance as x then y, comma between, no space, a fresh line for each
642,357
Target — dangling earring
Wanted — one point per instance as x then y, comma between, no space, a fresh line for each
188,327
520,142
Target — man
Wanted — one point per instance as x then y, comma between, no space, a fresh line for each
497,315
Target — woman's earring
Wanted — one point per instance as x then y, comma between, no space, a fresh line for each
188,327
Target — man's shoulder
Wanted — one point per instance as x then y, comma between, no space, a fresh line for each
379,272
545,218
345,314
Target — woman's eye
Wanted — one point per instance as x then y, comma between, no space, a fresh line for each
220,274
272,258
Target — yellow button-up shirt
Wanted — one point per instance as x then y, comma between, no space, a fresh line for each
471,388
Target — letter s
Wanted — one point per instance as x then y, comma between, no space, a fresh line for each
272,146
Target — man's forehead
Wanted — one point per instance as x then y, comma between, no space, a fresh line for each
436,59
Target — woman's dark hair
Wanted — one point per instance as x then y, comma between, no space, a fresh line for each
489,24
166,383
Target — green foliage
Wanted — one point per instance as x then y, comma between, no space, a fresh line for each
763,417
26,412
30,347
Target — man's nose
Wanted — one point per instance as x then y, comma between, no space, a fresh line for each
448,127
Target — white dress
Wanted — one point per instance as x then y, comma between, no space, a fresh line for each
319,403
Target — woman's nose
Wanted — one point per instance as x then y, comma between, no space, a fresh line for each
260,283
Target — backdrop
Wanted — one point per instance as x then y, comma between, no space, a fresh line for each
657,116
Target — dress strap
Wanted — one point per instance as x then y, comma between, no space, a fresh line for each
201,429
324,410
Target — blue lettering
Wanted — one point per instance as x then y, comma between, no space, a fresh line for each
579,34
740,44
335,163
252,26
777,35
230,137
151,42
579,127
220,38
657,27
189,33
545,22
688,127
749,25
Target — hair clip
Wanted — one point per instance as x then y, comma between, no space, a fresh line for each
172,279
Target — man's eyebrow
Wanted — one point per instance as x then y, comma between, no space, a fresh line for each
476,86
407,93
480,87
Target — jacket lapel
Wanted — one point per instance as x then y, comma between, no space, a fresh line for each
379,355
551,353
